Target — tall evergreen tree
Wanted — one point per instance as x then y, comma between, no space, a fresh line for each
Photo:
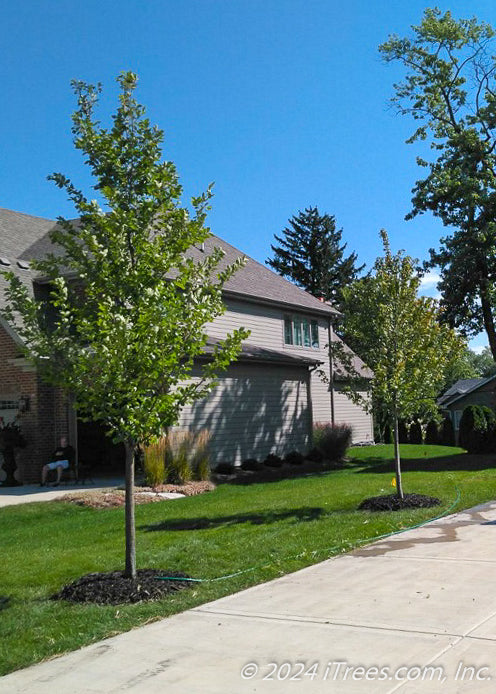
311,255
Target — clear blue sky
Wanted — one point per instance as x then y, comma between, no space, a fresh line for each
282,103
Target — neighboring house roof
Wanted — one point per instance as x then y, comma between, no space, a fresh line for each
461,389
461,386
24,237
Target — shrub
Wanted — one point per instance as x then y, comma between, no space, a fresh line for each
225,469
294,458
154,462
447,434
415,433
314,455
432,435
251,464
473,428
387,434
488,441
273,460
403,436
334,440
318,432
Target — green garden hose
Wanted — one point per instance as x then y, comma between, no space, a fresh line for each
316,551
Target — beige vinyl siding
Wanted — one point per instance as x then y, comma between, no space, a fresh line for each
354,415
346,412
255,410
267,330
264,322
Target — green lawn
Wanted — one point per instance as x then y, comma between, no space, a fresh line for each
276,527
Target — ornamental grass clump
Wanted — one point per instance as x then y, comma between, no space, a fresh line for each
154,462
187,456
200,459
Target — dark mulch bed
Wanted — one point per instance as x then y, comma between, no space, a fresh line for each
392,502
113,589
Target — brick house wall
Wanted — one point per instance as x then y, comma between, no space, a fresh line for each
47,418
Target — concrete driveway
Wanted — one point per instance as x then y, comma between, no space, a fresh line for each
27,493
412,613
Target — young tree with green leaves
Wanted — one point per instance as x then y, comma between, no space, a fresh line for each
312,256
130,305
450,90
399,336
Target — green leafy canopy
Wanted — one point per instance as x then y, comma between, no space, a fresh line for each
129,305
449,90
400,337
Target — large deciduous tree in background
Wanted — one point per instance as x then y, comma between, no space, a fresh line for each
125,336
399,336
312,256
450,90
470,364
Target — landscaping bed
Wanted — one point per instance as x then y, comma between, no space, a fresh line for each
113,588
115,498
392,502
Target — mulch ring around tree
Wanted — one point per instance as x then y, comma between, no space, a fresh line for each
113,589
392,502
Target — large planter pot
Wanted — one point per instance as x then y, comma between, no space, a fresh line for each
9,467
10,439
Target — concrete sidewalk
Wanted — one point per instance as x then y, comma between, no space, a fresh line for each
411,614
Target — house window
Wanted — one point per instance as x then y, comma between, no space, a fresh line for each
288,330
315,334
301,332
297,332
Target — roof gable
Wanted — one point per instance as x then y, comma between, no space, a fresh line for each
446,400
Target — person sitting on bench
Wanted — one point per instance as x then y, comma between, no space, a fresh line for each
61,460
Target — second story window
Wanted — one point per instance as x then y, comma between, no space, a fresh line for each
301,332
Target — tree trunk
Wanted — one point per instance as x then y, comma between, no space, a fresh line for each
488,316
130,571
397,462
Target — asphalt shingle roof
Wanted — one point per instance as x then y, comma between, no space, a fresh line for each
24,237
463,385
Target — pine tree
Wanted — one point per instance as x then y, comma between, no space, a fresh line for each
311,255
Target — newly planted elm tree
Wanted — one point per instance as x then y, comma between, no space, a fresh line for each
400,337
123,337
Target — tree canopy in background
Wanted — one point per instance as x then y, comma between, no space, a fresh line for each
470,364
450,90
124,337
399,336
310,254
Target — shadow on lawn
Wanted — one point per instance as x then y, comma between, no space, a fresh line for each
297,515
461,461
286,472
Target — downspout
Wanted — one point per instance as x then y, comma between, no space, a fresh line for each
331,372
310,403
